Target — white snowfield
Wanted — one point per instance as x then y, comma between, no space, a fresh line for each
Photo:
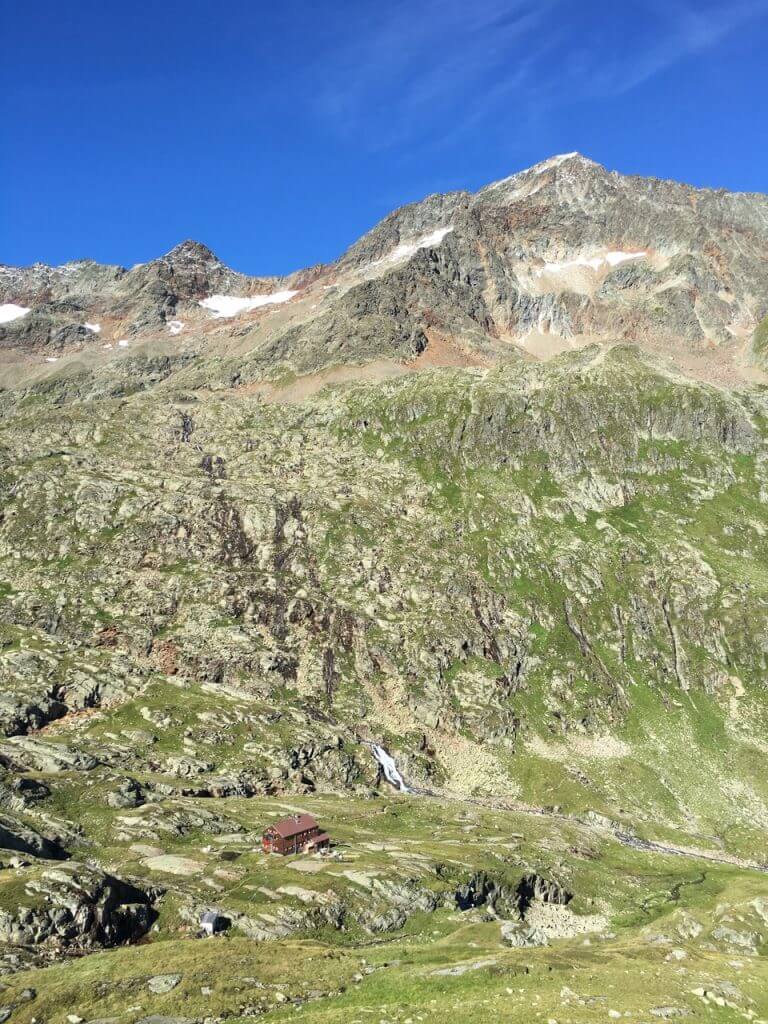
231,305
406,249
557,161
612,259
93,328
554,161
391,774
123,343
10,311
175,326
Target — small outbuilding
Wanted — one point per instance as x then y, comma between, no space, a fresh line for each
213,923
299,833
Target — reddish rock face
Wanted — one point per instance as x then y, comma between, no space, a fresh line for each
558,256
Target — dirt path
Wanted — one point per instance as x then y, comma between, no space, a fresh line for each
681,851
625,838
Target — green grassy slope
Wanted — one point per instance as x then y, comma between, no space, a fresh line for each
543,587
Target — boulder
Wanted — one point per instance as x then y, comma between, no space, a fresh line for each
163,983
521,935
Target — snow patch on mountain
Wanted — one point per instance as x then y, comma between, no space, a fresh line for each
612,259
93,328
407,249
554,161
175,326
10,311
230,305
557,161
615,258
525,177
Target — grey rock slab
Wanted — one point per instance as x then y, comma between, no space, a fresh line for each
163,983
459,969
522,935
46,757
155,1019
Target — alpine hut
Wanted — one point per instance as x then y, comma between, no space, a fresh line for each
299,833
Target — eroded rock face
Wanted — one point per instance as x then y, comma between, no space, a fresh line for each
129,793
491,555
548,259
506,899
391,905
534,887
18,716
26,753
19,794
290,920
482,890
76,906
18,837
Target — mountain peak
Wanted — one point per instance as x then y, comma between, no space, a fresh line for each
567,160
191,250
560,159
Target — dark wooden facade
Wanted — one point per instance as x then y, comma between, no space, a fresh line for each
298,834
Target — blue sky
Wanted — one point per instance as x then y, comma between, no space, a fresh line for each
278,133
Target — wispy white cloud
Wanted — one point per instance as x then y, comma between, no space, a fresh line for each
432,70
418,61
679,31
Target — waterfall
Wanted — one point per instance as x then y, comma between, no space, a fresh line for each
391,774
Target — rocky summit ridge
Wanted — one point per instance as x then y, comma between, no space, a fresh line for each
553,258
483,502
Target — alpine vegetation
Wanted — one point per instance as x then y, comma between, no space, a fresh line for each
389,640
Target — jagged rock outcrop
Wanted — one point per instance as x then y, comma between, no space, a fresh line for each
534,887
75,906
18,837
522,936
32,754
556,256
